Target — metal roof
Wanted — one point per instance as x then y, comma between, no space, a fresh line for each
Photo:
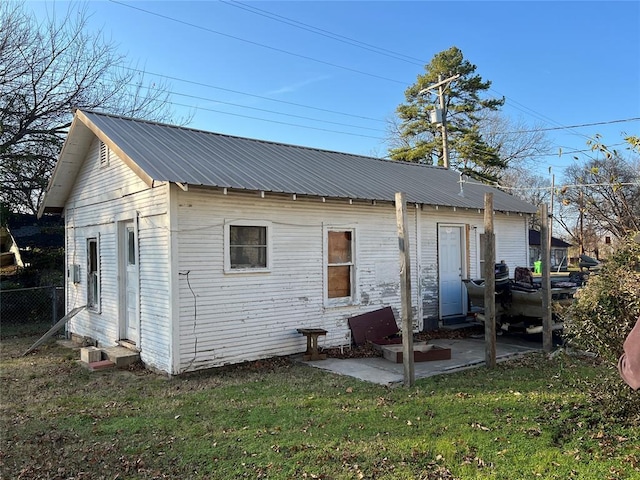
194,157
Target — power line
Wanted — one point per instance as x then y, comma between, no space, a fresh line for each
338,37
207,85
573,185
567,152
262,45
363,45
607,122
263,110
320,32
356,43
530,111
476,150
565,127
325,33
272,121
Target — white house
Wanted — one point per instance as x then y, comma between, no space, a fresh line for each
200,249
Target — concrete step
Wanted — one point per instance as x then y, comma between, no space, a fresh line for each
122,357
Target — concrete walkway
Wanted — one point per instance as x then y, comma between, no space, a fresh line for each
465,353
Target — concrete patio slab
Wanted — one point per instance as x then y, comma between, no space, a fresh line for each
465,353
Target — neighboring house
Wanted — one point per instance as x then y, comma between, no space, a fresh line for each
559,251
201,249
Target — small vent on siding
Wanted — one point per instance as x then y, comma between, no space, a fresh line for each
104,154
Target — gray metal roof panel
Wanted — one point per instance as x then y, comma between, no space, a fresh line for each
196,157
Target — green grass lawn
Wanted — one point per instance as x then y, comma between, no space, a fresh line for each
529,418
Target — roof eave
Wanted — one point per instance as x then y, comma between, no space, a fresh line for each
67,167
71,158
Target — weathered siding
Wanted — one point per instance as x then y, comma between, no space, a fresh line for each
232,317
103,196
155,297
511,246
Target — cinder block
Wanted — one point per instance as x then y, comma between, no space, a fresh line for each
90,354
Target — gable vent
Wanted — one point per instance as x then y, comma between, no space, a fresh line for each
104,154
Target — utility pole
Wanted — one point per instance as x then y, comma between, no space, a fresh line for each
443,125
442,84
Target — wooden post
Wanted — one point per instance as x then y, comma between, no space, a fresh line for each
489,283
545,248
405,291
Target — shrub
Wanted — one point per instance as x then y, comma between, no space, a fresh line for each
605,311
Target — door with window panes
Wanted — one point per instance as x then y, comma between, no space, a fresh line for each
131,297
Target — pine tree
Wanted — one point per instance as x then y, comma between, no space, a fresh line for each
419,140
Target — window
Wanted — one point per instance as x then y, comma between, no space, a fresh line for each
131,246
93,275
340,264
558,257
247,246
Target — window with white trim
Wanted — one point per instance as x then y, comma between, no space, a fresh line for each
340,266
93,274
247,246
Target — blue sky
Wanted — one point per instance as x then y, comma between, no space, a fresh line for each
238,71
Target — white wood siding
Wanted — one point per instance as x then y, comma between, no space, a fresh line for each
512,241
233,317
102,197
155,296
511,246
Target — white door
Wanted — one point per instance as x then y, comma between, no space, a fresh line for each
130,282
450,270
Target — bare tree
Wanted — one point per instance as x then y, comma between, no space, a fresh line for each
531,187
46,71
516,143
602,194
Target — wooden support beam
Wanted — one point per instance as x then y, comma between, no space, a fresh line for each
405,290
545,252
489,283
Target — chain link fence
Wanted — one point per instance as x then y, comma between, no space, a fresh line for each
23,306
